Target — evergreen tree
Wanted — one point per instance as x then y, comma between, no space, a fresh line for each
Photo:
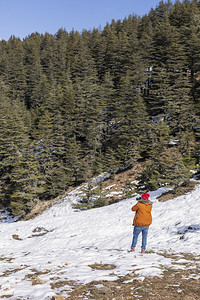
88,103
33,68
75,104
13,72
168,170
19,172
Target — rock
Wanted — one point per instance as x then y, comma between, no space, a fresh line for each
16,237
37,280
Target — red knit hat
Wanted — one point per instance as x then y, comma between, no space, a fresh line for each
145,196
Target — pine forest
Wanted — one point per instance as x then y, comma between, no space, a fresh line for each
74,105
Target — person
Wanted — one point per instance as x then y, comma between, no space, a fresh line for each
142,220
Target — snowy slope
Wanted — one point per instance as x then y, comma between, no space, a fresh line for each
63,243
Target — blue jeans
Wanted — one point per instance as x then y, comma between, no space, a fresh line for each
136,232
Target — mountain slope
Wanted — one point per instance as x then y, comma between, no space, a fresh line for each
66,245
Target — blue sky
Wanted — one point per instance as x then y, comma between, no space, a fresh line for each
23,17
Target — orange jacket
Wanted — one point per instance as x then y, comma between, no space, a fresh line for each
143,213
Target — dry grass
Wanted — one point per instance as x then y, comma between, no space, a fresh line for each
179,284
117,182
40,207
98,266
178,192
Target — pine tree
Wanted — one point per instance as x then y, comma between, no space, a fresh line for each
12,68
173,170
33,68
160,78
108,100
19,172
131,119
100,100
88,112
167,170
110,49
48,55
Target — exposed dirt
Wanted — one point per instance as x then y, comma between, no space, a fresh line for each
117,184
98,266
179,284
120,181
40,207
178,192
176,283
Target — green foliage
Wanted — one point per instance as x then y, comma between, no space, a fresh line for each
166,170
129,189
76,104
93,196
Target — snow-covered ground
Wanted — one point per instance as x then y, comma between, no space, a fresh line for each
62,243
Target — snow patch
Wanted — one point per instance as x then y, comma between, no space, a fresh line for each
62,243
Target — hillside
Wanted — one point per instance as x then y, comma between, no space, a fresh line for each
74,105
83,254
114,188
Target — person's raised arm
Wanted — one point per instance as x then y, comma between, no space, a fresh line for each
134,207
